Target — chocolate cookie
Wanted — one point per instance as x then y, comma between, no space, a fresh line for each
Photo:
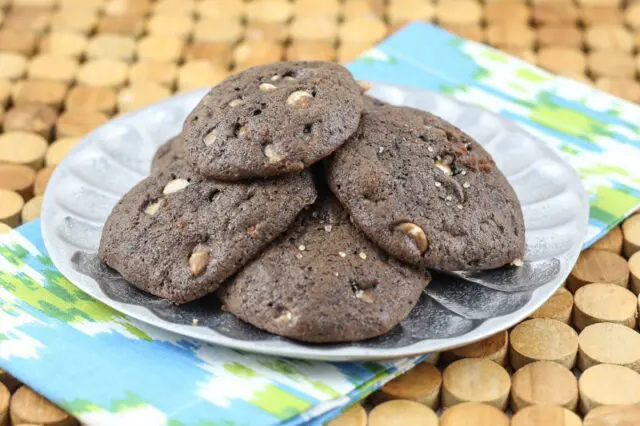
324,281
426,192
178,235
167,153
272,120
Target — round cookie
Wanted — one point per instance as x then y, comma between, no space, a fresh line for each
167,153
178,235
272,120
427,193
324,281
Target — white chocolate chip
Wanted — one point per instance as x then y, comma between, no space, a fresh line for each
466,185
518,263
328,228
362,255
365,295
236,102
416,233
438,184
210,138
242,131
342,254
152,208
289,78
301,247
430,149
175,186
266,87
366,86
286,316
459,206
444,167
194,321
449,198
198,261
463,173
298,256
275,78
271,154
299,99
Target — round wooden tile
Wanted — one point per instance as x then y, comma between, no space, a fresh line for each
406,413
4,229
542,339
50,93
268,31
42,179
362,30
544,383
609,37
421,384
634,268
631,232
52,67
160,48
562,59
82,4
354,416
493,348
31,209
5,91
78,123
5,378
309,50
511,35
568,36
506,12
472,32
103,72
170,25
18,178
606,384
473,414
475,380
545,415
17,41
350,51
217,9
218,30
606,63
140,94
314,28
609,343
278,11
22,148
553,12
58,150
248,54
409,10
356,8
164,73
326,8
30,18
601,14
29,407
11,204
613,415
5,396
127,7
111,46
612,241
597,302
91,98
128,25
12,65
218,53
197,74
598,266
74,20
175,7
64,44
632,15
625,88
558,307
30,118
459,12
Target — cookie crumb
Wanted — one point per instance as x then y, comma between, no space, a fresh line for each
363,255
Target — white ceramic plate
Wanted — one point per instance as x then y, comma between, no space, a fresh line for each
454,310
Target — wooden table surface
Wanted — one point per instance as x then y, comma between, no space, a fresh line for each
67,66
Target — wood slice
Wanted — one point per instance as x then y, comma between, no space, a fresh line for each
506,11
22,148
606,63
473,414
544,383
17,41
511,34
30,18
5,396
609,37
475,380
164,73
95,5
402,412
409,10
542,339
140,94
218,9
52,67
460,12
598,266
31,209
276,11
553,12
127,7
18,178
314,28
251,53
12,65
78,123
4,229
29,407
218,53
103,72
545,415
625,88
64,44
632,15
634,268
558,307
58,150
559,36
197,74
111,46
268,31
606,384
7,379
91,98
307,50
354,416
631,232
127,25
50,93
358,8
562,59
160,48
350,51
11,204
170,25
613,415
493,348
609,343
596,302
601,14
5,91
175,7
612,241
362,30
326,8
421,384
31,118
42,179
77,20
218,30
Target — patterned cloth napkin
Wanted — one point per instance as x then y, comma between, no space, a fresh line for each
108,369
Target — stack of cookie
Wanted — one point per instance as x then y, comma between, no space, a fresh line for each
308,206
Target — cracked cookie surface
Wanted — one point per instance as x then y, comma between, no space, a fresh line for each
178,235
168,153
